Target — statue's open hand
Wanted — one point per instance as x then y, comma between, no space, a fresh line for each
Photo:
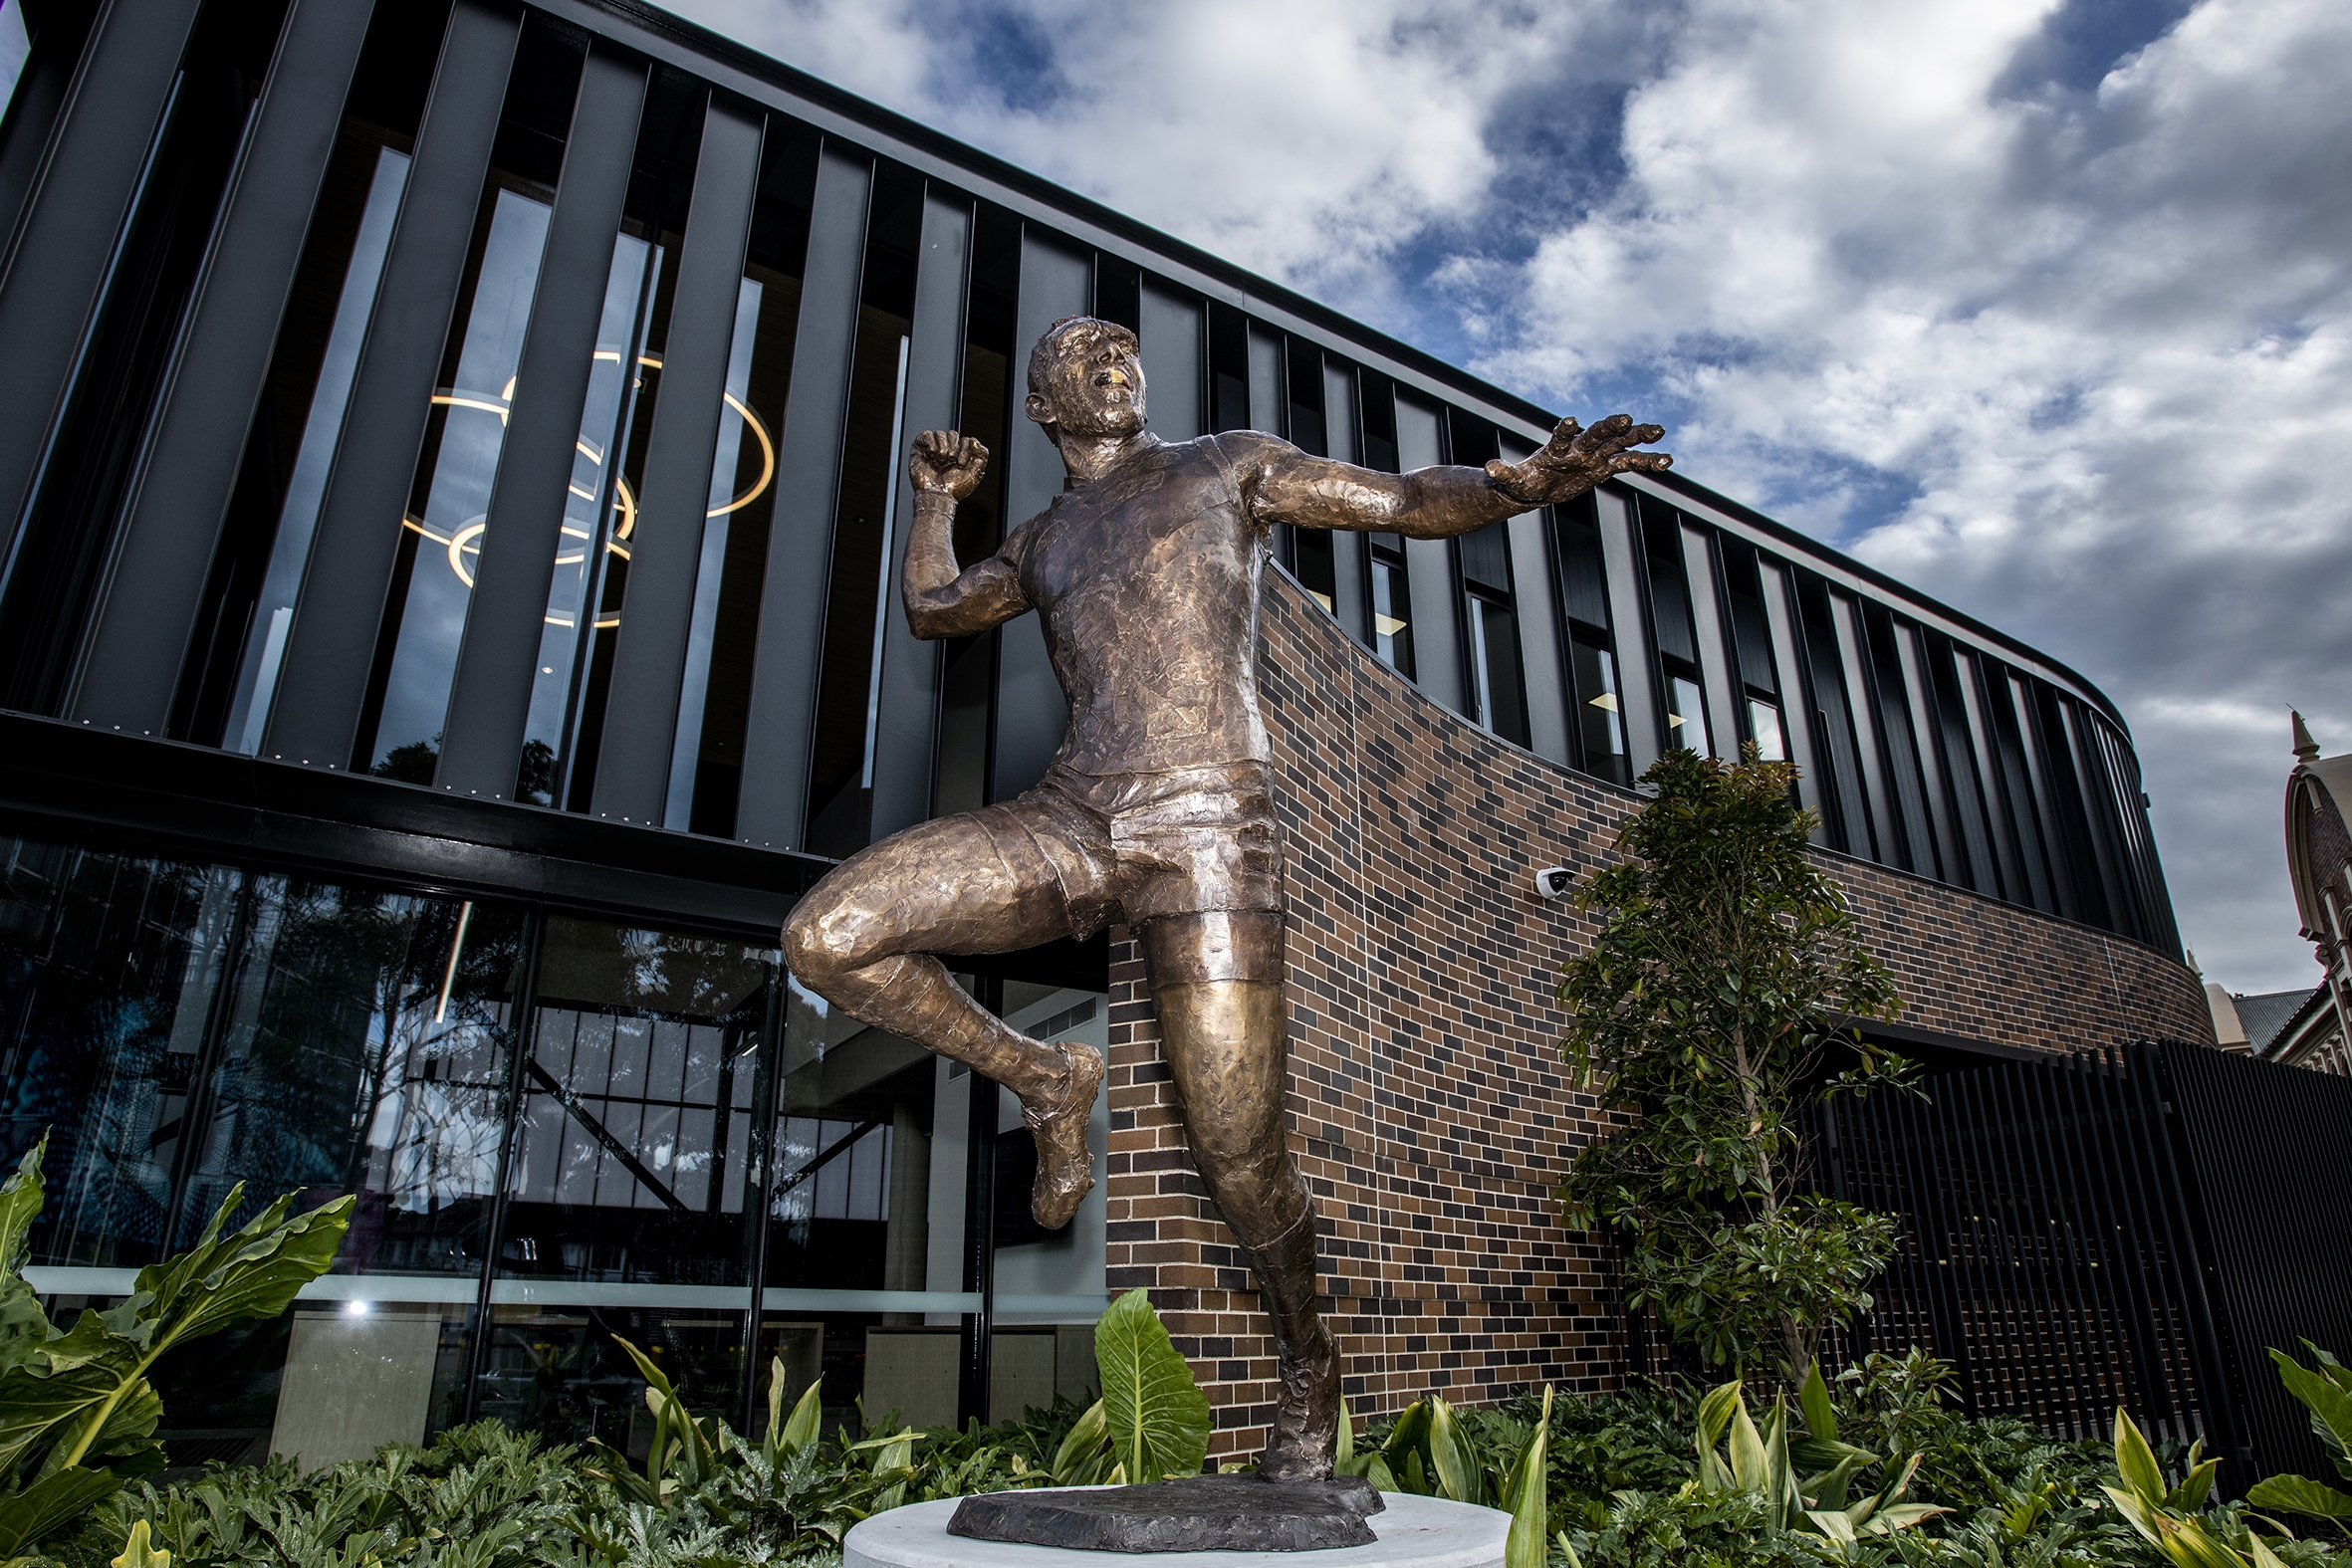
1575,460
947,464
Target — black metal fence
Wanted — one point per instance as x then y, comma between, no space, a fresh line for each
2132,1227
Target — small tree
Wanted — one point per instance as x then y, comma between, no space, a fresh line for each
1725,964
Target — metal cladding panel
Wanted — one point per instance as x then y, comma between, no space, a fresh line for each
907,717
490,695
1715,654
1635,696
1175,337
1429,574
1926,732
65,244
1031,712
1797,712
150,605
1879,844
333,641
774,804
1347,550
1266,410
666,552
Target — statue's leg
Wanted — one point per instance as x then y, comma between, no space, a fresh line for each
1217,979
864,937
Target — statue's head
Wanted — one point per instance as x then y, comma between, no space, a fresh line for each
1085,378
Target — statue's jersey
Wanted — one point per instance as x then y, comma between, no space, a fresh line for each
1147,581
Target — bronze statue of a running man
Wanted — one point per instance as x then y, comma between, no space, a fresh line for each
1159,809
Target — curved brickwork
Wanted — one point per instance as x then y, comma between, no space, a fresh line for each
1428,1105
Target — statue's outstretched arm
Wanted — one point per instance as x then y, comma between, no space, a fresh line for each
940,600
1437,503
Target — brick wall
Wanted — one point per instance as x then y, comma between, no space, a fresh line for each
1427,1101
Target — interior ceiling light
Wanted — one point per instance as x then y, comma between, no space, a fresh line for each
465,545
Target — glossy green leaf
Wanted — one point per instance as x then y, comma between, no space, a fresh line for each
1453,1456
2298,1494
1079,1462
1409,1433
1525,1496
2195,1487
140,1551
2135,1462
49,1504
1901,1516
2330,1405
1158,1419
807,1415
1820,1414
22,1326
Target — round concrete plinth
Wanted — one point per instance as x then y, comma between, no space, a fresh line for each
1414,1532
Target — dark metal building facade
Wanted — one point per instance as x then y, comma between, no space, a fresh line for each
450,475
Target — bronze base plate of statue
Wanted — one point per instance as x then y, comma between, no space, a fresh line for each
1158,811
1202,1513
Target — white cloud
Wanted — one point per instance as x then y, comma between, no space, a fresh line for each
2074,356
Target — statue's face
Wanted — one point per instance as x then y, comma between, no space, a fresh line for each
1094,385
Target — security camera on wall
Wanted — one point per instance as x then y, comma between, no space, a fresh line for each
1554,882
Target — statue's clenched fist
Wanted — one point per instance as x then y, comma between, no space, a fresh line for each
947,464
1575,460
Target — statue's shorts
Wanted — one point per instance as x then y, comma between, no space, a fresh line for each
1146,846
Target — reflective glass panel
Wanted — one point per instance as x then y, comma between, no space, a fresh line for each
441,534
1392,632
1598,716
617,383
1051,1285
1763,722
1494,649
625,1196
874,459
109,969
363,185
180,1030
865,1215
714,698
1686,715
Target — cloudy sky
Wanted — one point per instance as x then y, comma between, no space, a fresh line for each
2040,307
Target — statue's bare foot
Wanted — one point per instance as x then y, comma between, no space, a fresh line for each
1057,1120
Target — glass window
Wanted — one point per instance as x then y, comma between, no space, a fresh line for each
273,511
714,707
175,1029
441,531
111,966
1764,727
14,46
363,1049
1392,608
1685,714
1601,720
626,1209
1311,562
841,784
1494,664
689,1123
866,1219
1051,1285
